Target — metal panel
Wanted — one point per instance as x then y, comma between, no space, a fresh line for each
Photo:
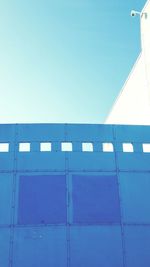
41,161
135,196
7,132
40,132
6,161
6,190
46,246
42,199
96,246
95,199
133,161
132,133
90,161
137,246
4,246
89,132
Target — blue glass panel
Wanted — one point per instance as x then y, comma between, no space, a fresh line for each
42,199
96,246
95,199
137,241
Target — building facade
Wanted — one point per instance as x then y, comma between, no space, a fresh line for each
74,195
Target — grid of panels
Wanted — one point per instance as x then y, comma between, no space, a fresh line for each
92,209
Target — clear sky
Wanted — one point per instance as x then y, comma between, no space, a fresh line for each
65,60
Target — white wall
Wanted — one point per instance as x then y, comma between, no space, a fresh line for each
133,103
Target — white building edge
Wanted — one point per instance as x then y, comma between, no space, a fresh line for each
133,103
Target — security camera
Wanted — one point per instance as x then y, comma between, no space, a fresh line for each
134,13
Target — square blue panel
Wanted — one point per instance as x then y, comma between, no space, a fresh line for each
42,199
40,247
95,199
96,246
137,246
135,196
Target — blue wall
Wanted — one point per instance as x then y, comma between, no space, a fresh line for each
74,209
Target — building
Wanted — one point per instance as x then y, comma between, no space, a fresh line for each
78,195
133,103
74,195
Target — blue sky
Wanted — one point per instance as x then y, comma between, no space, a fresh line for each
65,60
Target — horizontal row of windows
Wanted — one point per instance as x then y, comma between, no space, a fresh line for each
68,146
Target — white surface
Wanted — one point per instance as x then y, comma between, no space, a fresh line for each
24,147
66,146
4,147
127,147
45,147
108,147
146,148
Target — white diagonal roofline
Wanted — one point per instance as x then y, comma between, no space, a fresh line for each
146,4
124,85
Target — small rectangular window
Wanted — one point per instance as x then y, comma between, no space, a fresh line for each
146,148
4,147
66,146
127,147
108,147
87,147
45,147
24,147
